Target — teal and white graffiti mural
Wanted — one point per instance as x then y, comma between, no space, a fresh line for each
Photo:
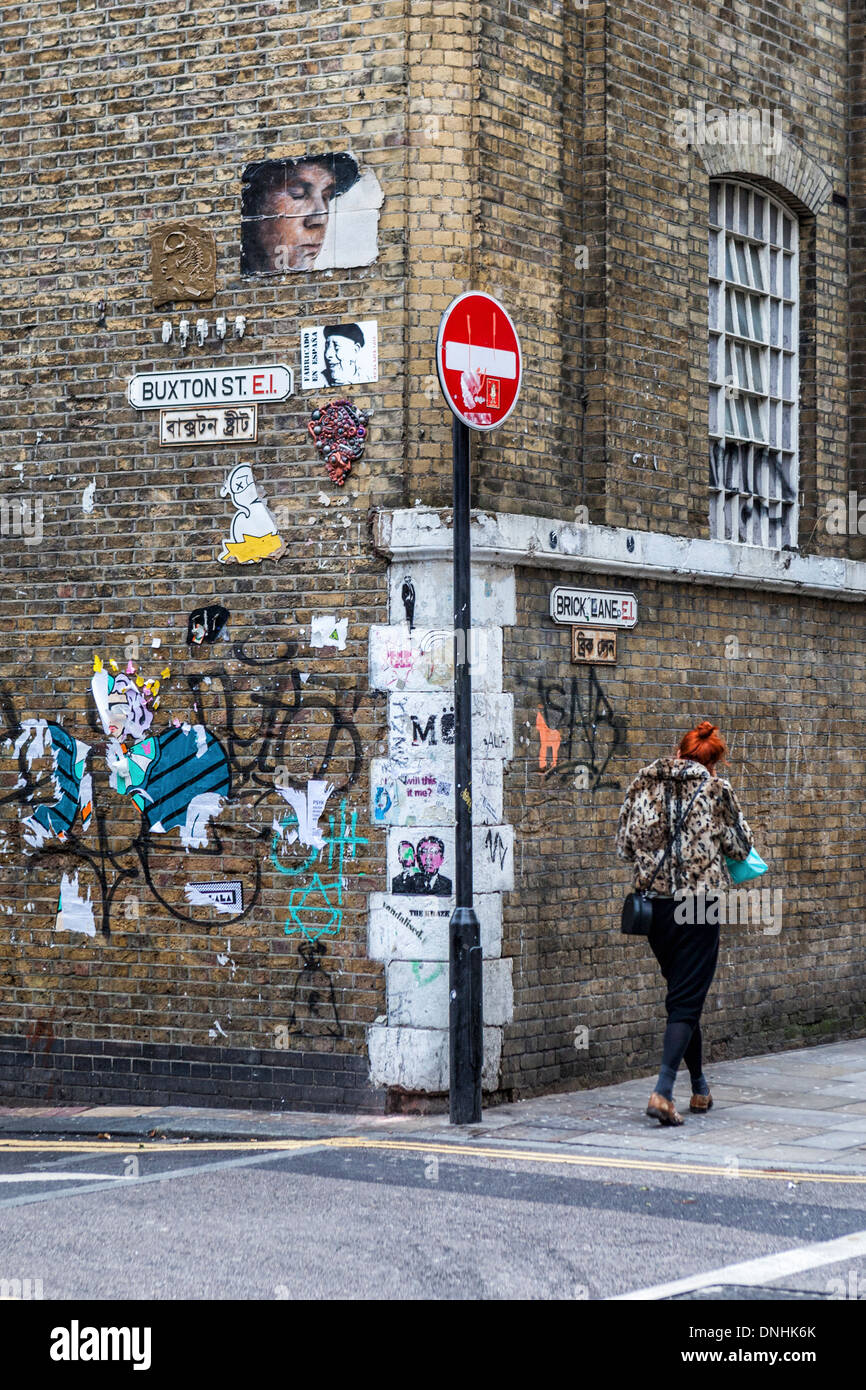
315,907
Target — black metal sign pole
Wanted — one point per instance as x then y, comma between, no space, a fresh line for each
465,1013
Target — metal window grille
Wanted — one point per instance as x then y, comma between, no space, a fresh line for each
754,369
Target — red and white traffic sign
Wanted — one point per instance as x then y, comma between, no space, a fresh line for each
478,360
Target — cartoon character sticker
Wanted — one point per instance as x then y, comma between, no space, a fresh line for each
253,534
177,777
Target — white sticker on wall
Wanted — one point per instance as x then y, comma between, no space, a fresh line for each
74,912
326,630
225,897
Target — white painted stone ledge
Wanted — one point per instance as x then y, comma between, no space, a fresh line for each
502,538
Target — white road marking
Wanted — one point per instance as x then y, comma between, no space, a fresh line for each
762,1270
61,1177
166,1175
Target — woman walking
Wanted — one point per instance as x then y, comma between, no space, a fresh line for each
678,823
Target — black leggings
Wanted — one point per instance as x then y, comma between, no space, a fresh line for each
683,1043
688,955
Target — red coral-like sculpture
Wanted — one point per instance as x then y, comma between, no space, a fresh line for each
340,434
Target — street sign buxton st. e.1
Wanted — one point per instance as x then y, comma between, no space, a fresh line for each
271,381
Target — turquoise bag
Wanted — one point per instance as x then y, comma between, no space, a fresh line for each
741,870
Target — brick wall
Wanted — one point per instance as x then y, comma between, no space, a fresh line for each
542,140
116,119
525,149
857,248
668,57
787,707
591,225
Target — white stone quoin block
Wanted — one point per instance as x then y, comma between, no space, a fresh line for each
492,593
423,659
424,795
403,929
418,1058
417,993
421,726
493,860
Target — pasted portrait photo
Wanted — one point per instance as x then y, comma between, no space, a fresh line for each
316,212
339,354
420,868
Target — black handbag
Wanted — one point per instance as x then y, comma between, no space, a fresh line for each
637,910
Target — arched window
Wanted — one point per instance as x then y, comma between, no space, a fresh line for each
754,374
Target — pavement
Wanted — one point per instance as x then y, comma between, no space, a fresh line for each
802,1110
575,1196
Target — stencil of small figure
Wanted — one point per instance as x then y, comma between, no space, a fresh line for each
253,529
314,1001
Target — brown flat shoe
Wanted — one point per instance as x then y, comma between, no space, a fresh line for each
663,1110
699,1105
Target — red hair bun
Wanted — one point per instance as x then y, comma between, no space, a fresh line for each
703,744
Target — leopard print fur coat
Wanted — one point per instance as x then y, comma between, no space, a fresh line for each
714,829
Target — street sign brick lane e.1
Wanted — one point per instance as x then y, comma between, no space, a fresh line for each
599,607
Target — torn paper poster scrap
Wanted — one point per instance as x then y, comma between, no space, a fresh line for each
74,913
308,806
200,811
224,958
225,897
316,211
253,534
72,783
88,497
326,630
206,624
177,776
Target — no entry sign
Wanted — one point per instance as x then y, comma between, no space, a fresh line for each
478,360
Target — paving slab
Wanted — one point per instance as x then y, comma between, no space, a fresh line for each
834,1139
784,1154
789,1100
793,1115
